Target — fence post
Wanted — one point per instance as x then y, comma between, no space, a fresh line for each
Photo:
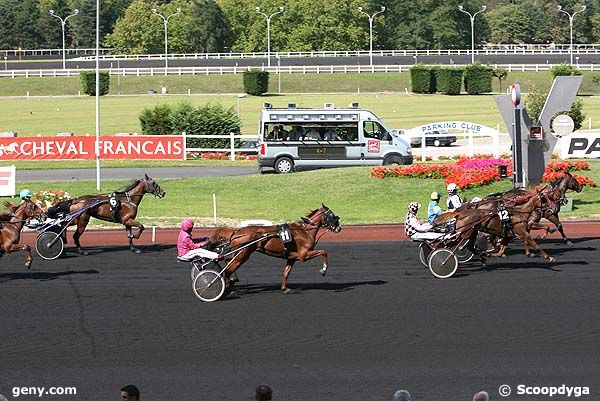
184,145
423,157
496,142
471,152
232,145
215,209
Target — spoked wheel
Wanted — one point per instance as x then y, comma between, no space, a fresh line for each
209,285
49,245
424,252
443,263
199,265
196,265
464,255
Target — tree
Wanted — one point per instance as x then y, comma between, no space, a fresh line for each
535,100
501,74
510,24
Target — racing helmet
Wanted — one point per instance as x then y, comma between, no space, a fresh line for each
187,224
413,207
435,196
452,187
25,193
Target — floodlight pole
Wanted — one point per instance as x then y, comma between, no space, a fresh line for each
371,17
268,17
97,144
63,22
166,25
472,18
571,16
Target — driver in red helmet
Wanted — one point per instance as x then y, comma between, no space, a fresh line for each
189,247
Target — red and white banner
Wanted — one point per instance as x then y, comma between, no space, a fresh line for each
83,147
7,181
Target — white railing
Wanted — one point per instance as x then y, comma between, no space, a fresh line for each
232,150
50,52
310,69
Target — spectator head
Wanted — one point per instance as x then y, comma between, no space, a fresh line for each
401,395
481,396
264,393
130,393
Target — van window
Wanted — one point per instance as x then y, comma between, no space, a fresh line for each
373,129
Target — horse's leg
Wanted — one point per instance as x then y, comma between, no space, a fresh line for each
554,219
313,254
528,240
82,222
129,223
286,272
26,248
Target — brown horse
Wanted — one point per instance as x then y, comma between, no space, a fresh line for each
297,244
12,224
128,201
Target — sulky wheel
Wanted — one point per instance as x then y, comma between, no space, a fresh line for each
464,255
424,252
443,263
49,245
209,285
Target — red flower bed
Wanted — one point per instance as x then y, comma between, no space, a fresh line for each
470,172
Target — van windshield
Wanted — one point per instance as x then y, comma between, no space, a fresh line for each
313,131
373,129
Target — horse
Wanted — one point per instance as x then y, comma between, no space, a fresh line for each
556,193
12,224
125,210
506,222
300,246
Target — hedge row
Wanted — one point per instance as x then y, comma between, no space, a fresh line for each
477,79
88,82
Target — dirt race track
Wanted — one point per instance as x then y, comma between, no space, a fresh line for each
377,322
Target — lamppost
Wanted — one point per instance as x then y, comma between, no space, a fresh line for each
571,16
360,9
472,17
63,22
166,24
268,17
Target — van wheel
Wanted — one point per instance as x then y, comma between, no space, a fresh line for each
391,160
437,143
284,165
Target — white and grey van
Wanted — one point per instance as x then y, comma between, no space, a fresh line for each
293,138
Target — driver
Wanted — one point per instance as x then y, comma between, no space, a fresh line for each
453,202
189,247
414,228
25,194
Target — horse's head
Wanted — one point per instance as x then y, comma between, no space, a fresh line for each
152,187
326,218
26,210
572,183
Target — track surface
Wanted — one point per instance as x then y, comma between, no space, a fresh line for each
377,322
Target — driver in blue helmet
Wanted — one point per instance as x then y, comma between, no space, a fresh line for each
434,209
25,194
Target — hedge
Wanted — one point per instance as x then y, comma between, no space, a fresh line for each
563,70
478,79
449,80
88,82
256,82
422,79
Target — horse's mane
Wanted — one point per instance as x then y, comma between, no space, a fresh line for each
10,206
130,186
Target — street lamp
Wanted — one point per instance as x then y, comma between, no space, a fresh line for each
166,24
371,30
63,22
571,16
472,17
268,17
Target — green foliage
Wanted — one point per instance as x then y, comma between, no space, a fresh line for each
88,82
157,120
535,100
208,119
422,79
478,79
256,82
563,70
449,80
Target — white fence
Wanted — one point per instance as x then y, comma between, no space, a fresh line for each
232,150
314,69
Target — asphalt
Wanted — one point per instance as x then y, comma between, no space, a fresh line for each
377,322
129,173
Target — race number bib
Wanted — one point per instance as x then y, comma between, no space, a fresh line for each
113,202
285,234
504,215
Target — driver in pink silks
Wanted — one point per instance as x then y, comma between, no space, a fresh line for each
415,229
189,247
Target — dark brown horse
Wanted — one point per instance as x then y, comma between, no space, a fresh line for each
128,201
299,244
12,224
